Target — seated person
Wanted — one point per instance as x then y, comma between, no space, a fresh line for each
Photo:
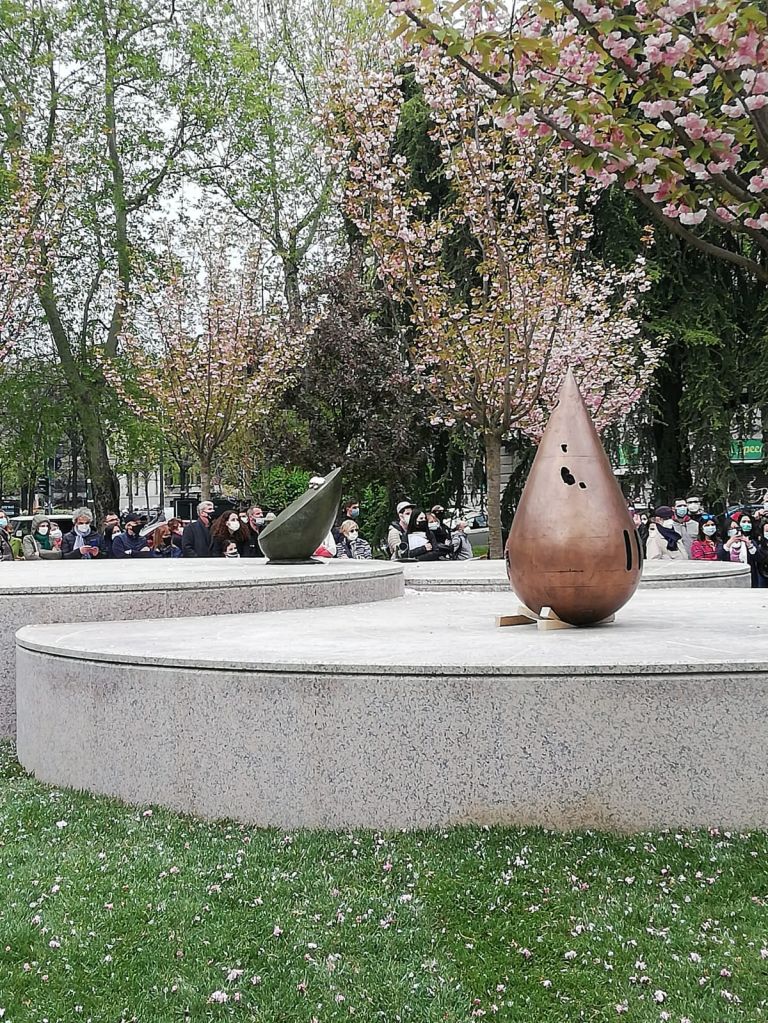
82,541
37,544
349,542
130,543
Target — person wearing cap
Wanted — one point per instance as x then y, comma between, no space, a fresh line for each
705,546
664,542
397,534
37,544
130,543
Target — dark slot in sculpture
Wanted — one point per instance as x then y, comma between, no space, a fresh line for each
300,528
573,546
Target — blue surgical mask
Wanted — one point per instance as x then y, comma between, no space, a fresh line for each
3,522
746,527
354,513
709,530
681,510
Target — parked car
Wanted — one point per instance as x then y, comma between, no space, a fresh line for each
20,525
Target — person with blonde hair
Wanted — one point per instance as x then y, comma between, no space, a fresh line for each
350,544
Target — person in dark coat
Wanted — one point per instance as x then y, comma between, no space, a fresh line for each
229,536
110,531
130,543
162,543
255,521
196,538
82,541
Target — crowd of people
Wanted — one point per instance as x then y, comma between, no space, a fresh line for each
686,530
414,536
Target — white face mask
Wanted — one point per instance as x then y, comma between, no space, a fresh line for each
694,506
668,523
406,517
233,525
710,530
434,525
82,529
55,534
352,535
42,530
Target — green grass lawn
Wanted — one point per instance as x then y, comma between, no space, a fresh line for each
111,913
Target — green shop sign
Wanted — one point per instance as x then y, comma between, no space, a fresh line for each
748,450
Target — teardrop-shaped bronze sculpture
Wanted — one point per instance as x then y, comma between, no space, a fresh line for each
573,546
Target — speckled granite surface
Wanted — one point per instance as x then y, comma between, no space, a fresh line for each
110,592
490,576
414,712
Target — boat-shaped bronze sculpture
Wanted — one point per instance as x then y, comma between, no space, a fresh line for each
299,529
573,554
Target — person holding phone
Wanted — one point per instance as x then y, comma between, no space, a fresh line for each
82,541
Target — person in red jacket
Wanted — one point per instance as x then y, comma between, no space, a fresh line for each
704,547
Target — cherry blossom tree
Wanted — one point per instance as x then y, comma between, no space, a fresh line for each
494,338
203,357
20,211
667,97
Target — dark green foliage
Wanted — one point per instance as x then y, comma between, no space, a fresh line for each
712,316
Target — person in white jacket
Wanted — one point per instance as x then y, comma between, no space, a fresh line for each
664,542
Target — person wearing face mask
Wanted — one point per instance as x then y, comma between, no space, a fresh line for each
705,546
110,531
37,544
196,538
56,536
461,548
641,525
350,544
664,542
398,530
696,507
6,551
229,536
439,535
687,527
255,521
82,541
176,526
130,543
421,546
350,509
162,543
740,545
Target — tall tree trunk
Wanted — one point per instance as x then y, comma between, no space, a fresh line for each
205,479
492,443
86,396
146,490
673,456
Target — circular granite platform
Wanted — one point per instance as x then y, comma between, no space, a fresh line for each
415,712
490,576
75,591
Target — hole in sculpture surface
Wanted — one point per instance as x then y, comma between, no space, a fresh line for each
565,473
628,548
563,447
583,486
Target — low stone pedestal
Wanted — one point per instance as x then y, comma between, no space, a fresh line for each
114,592
417,712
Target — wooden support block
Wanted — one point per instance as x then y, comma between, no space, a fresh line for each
504,620
549,621
524,616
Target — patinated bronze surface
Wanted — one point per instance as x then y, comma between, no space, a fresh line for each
300,528
573,546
